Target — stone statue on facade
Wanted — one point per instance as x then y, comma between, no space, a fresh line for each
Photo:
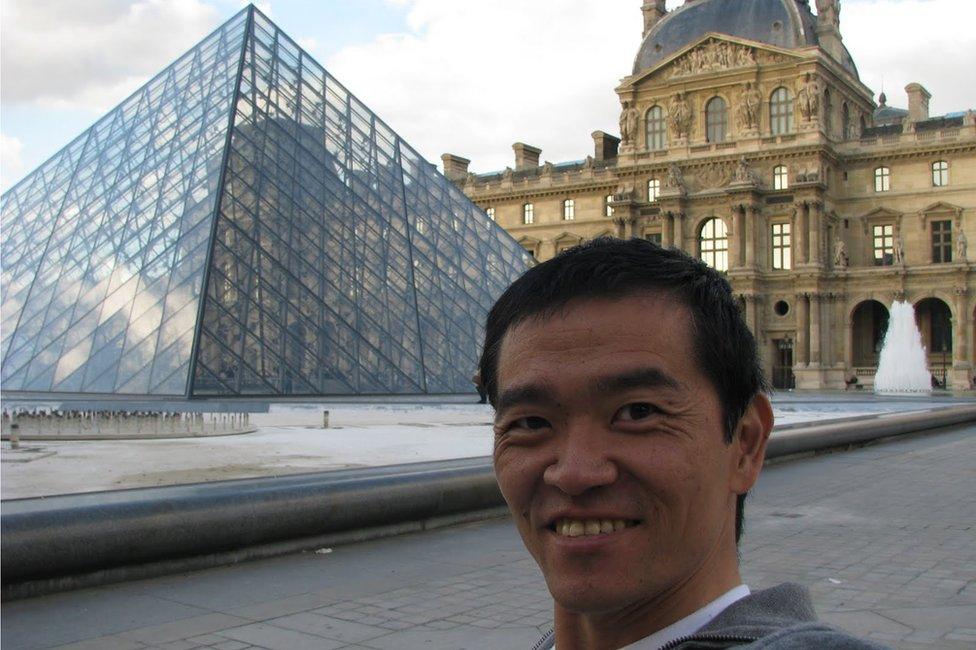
679,115
507,174
899,251
828,12
743,172
628,123
808,97
961,244
841,260
674,180
750,107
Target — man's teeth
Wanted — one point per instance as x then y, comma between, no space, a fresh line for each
581,527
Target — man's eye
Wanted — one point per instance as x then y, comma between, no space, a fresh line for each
532,423
635,411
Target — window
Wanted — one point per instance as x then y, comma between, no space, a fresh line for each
716,117
781,177
607,205
713,242
569,210
846,117
528,214
653,189
657,132
941,242
782,247
940,173
882,179
781,111
654,238
884,245
491,213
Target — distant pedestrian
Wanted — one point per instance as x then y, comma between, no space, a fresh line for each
476,380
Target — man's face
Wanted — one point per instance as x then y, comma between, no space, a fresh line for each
609,449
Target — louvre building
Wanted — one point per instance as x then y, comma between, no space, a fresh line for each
243,226
748,139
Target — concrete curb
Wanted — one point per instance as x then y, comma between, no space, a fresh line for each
71,541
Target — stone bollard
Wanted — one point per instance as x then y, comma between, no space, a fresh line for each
14,436
325,419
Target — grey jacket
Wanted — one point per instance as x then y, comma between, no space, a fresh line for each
781,618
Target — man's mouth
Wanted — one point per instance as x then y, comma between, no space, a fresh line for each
586,527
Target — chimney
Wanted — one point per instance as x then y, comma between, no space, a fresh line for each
455,167
653,11
604,146
918,102
526,156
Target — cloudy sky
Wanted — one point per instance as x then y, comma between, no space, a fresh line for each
465,76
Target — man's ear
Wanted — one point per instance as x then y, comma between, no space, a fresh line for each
749,444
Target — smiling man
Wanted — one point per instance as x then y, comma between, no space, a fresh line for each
631,421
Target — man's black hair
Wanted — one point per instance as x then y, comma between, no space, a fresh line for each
607,268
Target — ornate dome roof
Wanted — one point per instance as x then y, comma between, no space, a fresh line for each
784,23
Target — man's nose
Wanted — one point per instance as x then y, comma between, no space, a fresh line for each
582,464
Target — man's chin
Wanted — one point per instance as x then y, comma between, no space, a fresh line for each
589,598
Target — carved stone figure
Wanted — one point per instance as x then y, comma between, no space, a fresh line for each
715,175
674,179
899,251
828,12
808,97
548,168
679,115
961,244
588,163
507,174
743,172
841,260
628,123
713,55
750,106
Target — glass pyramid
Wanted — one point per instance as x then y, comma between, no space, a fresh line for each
243,225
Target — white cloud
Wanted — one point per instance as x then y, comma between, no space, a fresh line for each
471,77
931,42
11,163
474,77
90,54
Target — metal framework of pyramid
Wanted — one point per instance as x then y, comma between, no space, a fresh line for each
243,225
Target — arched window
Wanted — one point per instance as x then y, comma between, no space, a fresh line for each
607,204
528,214
846,117
882,179
653,189
940,173
781,111
713,244
781,177
569,210
716,119
657,132
864,126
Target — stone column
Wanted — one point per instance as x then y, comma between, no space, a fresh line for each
802,330
753,213
815,223
816,307
799,231
735,241
667,232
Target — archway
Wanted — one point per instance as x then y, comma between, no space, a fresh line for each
869,322
934,320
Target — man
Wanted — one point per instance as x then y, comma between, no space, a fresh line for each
631,420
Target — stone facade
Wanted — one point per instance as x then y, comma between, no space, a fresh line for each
822,206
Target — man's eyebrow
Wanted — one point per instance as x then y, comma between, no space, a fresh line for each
639,378
524,394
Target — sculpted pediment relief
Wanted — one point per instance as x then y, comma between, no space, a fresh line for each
711,56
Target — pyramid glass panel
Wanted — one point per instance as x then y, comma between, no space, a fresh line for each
242,225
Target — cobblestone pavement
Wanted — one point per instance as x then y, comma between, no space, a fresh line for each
885,536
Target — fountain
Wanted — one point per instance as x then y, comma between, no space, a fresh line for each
903,365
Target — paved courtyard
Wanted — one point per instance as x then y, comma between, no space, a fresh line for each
885,536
